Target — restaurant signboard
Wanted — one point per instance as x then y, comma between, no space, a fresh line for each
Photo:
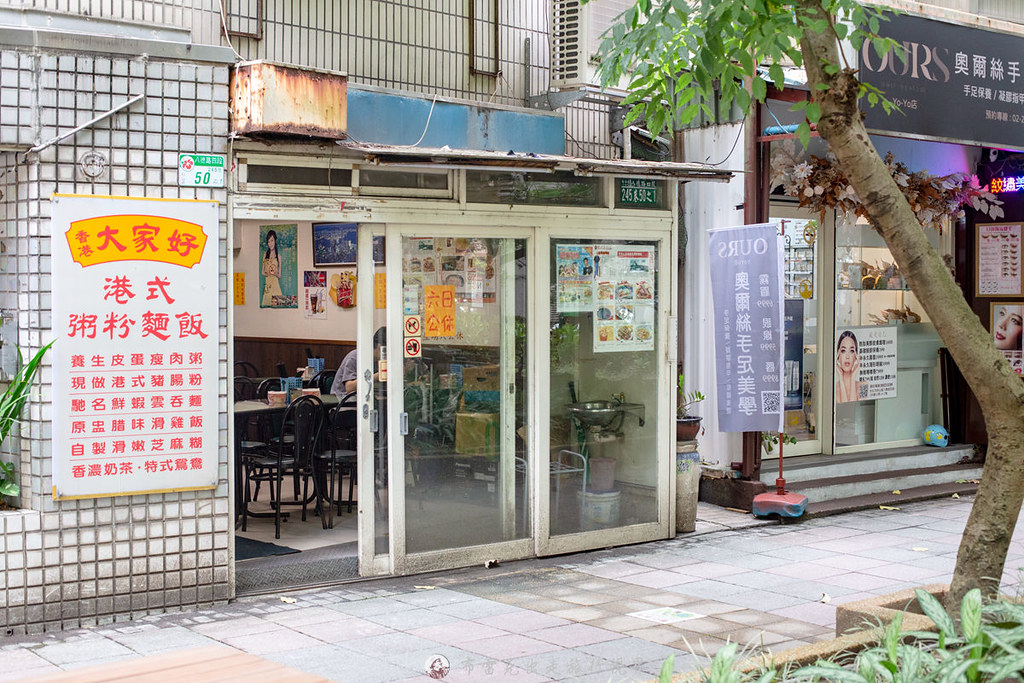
135,313
957,83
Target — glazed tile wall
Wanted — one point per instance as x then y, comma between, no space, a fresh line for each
71,563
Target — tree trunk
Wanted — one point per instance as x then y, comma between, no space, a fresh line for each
999,391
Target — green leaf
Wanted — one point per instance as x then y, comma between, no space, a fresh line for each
933,609
1012,665
9,488
841,30
813,112
970,615
667,669
803,134
759,88
829,671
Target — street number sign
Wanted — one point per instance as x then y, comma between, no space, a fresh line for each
201,170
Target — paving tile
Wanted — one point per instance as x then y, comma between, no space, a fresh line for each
522,621
626,606
813,612
710,570
902,572
165,640
656,579
852,563
710,625
614,570
622,675
389,643
474,609
372,606
457,633
630,651
755,599
411,619
31,672
433,598
589,598
510,647
21,659
238,626
578,614
279,640
858,581
339,664
307,615
346,628
82,652
664,560
574,635
620,624
656,634
563,664
801,629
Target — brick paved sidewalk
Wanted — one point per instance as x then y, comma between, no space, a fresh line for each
607,616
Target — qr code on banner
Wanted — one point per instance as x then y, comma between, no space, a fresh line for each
770,402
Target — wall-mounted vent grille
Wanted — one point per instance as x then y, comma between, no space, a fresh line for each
576,31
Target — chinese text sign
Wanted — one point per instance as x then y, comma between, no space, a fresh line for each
746,284
135,312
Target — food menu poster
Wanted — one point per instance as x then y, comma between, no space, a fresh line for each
624,298
135,314
574,275
315,294
465,264
999,259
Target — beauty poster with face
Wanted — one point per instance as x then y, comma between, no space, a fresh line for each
865,363
277,266
1007,324
999,259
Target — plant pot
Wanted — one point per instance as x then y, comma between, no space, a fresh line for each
687,427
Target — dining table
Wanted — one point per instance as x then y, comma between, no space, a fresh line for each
243,410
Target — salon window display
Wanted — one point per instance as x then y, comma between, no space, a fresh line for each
1007,327
278,269
865,363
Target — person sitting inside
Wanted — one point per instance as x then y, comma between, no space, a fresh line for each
346,379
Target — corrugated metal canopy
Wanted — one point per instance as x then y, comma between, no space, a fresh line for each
480,159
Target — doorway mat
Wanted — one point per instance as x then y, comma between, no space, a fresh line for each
249,548
314,567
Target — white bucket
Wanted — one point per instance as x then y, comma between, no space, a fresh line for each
600,509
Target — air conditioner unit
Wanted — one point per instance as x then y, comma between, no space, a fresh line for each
576,31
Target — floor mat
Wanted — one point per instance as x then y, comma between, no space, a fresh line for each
329,564
248,548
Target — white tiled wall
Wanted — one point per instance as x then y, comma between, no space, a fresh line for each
71,563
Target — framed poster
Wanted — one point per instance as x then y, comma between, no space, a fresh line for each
997,265
866,360
1007,322
334,244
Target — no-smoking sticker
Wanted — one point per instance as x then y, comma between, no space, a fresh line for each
413,327
413,347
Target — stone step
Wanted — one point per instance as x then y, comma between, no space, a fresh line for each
806,468
833,488
840,505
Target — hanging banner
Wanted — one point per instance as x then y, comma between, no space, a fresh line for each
135,378
746,286
865,363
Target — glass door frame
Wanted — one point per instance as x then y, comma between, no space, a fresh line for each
546,544
825,258
403,562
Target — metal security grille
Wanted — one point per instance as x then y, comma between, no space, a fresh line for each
244,18
473,50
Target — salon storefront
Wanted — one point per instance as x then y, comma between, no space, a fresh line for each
864,372
522,404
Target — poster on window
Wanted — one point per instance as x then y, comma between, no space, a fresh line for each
746,286
1007,323
574,278
278,268
466,264
865,363
999,266
624,297
135,313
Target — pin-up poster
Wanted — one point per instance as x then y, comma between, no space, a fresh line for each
315,294
624,292
865,363
746,288
1007,322
135,373
278,268
999,259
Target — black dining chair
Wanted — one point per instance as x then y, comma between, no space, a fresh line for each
269,384
245,388
340,458
324,380
246,369
303,420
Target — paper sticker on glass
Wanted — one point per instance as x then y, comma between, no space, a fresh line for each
1007,324
278,270
624,292
574,277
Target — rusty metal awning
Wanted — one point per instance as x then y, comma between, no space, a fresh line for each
390,155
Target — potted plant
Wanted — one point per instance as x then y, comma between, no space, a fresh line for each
687,426
12,400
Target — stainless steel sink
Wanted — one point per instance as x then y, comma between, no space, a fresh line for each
605,414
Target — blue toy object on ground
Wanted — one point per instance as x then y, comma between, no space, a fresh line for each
936,435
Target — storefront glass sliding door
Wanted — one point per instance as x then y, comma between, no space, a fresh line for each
807,263
457,370
604,456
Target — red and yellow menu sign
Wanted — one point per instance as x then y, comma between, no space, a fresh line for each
439,317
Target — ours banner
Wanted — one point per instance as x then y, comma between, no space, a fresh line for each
746,285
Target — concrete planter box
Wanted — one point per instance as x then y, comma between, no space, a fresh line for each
859,625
